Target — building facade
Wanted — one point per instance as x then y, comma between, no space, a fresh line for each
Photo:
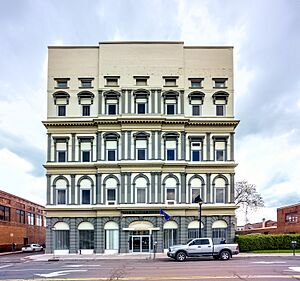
135,127
288,221
21,222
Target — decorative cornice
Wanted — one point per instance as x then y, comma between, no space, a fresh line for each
163,121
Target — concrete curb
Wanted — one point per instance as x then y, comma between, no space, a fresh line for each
10,253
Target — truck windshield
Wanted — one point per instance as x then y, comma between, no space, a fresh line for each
189,241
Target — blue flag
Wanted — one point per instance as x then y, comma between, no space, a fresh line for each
162,212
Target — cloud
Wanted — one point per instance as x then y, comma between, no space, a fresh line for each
16,178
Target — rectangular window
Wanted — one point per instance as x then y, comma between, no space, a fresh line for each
113,82
86,110
196,155
220,110
170,82
85,196
86,156
61,156
291,217
219,233
193,233
196,110
86,82
39,220
196,82
220,82
170,154
30,218
220,195
220,155
62,239
141,195
20,216
171,195
112,109
195,192
141,81
196,151
111,155
62,83
61,196
61,110
170,108
111,196
141,153
170,238
4,213
112,239
141,108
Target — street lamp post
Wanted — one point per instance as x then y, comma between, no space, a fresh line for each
200,209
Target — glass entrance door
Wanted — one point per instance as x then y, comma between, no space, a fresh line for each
140,243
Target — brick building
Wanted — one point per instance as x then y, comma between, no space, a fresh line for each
21,222
288,220
263,227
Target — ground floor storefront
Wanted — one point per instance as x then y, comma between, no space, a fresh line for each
135,231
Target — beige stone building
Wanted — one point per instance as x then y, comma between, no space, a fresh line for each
135,127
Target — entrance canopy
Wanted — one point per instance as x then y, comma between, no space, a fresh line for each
141,225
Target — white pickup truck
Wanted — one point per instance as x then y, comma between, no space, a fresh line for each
203,247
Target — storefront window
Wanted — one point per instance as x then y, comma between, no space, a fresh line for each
62,240
112,239
170,237
86,238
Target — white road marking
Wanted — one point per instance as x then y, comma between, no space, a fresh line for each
6,265
59,273
268,262
297,269
80,265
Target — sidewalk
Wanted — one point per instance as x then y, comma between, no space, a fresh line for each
76,257
10,253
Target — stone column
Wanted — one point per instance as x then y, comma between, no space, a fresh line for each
73,147
49,148
48,189
208,188
123,236
98,188
129,145
159,145
158,101
129,188
208,146
153,144
153,187
98,146
183,187
153,101
183,145
129,100
122,145
159,199
73,234
232,146
122,199
99,236
73,190
123,101
181,102
99,102
231,198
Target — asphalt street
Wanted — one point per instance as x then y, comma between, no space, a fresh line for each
20,267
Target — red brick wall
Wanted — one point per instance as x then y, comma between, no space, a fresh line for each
284,226
15,232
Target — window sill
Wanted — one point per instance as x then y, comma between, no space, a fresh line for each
115,86
196,87
167,86
86,87
219,87
62,88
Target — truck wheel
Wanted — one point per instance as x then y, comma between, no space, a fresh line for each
225,255
181,256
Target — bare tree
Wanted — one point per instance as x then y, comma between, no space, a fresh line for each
247,197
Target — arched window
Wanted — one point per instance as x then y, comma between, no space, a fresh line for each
111,102
141,190
219,230
111,237
196,185
61,191
196,101
171,102
111,146
141,101
171,190
219,186
170,234
86,237
111,191
61,237
193,229
85,192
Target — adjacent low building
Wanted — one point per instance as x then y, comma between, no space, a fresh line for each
21,222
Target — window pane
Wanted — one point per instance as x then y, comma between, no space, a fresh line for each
62,83
61,196
141,154
111,194
112,239
219,233
86,83
86,156
141,82
86,239
61,110
220,198
85,196
195,84
112,109
61,156
196,110
111,155
141,195
62,240
170,154
170,108
193,233
141,108
220,155
112,82
195,193
195,155
170,82
171,194
220,110
170,238
86,110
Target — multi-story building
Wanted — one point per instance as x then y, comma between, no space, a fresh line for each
21,222
135,127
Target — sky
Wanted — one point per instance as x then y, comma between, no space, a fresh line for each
266,39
